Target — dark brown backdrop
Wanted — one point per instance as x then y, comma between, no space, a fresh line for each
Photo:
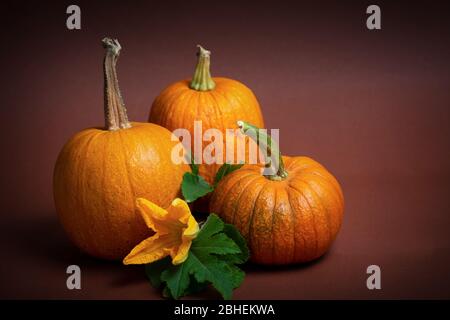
372,106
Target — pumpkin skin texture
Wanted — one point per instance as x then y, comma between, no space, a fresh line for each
217,102
97,178
290,221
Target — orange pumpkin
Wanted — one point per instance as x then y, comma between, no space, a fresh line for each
101,171
217,102
289,217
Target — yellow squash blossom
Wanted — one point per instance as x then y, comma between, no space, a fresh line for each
175,229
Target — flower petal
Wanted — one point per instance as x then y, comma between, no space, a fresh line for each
179,210
151,249
175,229
182,253
192,229
152,215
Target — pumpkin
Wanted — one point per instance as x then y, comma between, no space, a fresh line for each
217,102
290,216
101,171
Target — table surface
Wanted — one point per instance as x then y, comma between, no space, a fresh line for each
372,106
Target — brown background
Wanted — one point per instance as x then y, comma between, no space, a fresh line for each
372,106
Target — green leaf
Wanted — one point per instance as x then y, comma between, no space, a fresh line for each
211,226
210,240
194,166
195,287
225,169
194,187
231,231
177,278
166,293
217,244
154,270
237,275
208,268
211,260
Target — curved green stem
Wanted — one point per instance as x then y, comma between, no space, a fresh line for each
115,113
202,80
266,143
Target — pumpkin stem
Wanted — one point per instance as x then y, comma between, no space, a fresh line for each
202,80
115,112
265,143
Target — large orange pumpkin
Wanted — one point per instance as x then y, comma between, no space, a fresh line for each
101,171
217,102
290,217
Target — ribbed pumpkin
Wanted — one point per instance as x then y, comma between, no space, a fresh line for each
290,217
101,171
217,102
